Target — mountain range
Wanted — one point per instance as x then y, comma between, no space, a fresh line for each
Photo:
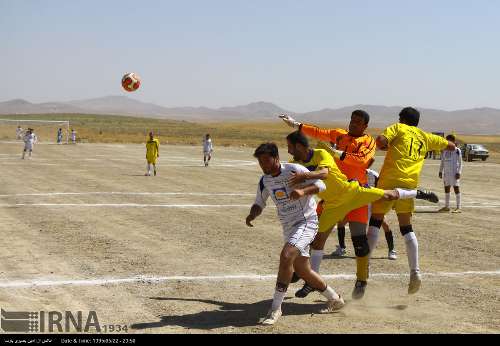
467,121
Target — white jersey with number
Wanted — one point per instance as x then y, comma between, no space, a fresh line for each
290,212
207,145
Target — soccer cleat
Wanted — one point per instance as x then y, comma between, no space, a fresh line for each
415,282
304,291
457,211
147,175
359,289
392,255
444,210
339,252
333,305
295,278
272,317
427,196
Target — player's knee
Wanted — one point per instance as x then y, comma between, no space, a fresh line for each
361,248
376,222
406,229
287,257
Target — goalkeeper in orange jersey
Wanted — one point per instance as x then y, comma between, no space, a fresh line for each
358,151
152,153
340,197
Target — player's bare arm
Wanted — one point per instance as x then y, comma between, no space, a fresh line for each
255,211
305,191
298,178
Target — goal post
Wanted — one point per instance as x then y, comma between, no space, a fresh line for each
45,130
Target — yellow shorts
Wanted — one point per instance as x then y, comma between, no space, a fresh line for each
401,206
355,198
151,161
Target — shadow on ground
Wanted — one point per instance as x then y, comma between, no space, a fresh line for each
226,314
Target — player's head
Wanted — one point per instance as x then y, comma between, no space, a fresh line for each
359,122
298,145
451,138
151,134
409,116
207,136
268,156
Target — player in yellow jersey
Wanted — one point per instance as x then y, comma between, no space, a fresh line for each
359,150
152,153
406,146
340,197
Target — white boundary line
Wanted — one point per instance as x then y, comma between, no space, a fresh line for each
125,205
128,194
244,277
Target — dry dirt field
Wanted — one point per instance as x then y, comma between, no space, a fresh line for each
83,229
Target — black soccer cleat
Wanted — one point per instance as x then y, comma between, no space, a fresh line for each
427,196
295,278
304,291
359,289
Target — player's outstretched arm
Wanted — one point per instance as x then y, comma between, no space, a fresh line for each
300,177
310,189
290,121
255,211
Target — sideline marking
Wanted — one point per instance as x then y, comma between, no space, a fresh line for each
159,279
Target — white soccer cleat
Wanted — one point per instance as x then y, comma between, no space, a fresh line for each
457,211
392,255
339,252
415,282
272,317
333,305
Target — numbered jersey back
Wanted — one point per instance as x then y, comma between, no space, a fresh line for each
405,156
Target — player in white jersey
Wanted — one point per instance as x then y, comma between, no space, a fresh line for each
451,171
207,149
19,132
73,136
372,177
59,136
296,209
29,140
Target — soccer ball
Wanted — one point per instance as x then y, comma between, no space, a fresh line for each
131,82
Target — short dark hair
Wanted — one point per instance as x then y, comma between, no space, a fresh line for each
298,137
266,148
362,114
451,138
409,116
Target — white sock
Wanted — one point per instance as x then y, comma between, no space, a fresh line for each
278,299
372,236
330,293
316,258
406,194
148,168
447,199
459,200
412,251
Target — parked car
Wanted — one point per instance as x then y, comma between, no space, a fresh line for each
474,151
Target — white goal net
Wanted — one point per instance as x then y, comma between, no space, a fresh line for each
47,131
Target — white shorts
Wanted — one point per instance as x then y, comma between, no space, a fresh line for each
28,147
450,180
301,236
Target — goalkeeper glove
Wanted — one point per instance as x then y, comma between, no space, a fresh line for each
290,121
339,154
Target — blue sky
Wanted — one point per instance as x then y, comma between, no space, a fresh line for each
301,55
